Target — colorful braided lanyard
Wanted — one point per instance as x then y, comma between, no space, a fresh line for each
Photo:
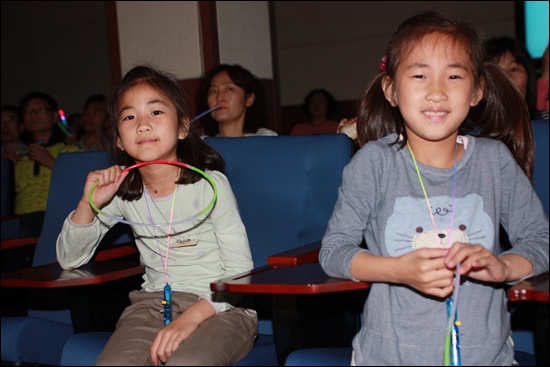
451,355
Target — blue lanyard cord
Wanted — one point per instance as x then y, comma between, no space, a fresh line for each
452,341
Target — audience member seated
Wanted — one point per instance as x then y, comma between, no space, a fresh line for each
12,128
239,94
93,124
33,171
319,105
512,56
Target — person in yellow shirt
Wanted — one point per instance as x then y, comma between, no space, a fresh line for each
34,169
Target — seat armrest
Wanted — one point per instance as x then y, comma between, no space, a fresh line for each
53,276
11,243
305,254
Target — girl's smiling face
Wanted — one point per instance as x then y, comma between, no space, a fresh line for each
433,88
148,125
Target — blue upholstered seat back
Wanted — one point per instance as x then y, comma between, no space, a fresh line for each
286,186
66,188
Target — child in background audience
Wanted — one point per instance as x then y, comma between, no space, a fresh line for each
512,56
428,202
148,121
241,99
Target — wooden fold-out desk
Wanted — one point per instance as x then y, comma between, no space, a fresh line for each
305,313
274,279
97,281
533,289
53,276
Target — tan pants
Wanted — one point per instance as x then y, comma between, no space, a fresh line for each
221,340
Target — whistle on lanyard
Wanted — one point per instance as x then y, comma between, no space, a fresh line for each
167,303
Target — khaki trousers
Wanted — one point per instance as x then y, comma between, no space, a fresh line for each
221,340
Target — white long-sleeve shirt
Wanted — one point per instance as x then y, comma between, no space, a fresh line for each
208,248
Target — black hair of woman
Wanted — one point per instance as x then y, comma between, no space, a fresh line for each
256,114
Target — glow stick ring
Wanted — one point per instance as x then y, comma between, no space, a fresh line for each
174,163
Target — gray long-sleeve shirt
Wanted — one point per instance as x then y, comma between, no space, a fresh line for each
201,251
381,201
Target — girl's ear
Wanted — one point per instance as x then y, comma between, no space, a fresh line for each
184,128
477,94
250,99
387,87
119,144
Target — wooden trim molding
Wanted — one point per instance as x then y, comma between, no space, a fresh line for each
113,40
209,34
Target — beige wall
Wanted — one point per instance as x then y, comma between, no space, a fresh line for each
337,45
164,34
61,47
244,35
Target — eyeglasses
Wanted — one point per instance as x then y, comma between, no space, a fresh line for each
36,110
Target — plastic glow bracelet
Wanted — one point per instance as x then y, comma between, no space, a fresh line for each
181,164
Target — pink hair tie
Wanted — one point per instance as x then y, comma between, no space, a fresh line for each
383,63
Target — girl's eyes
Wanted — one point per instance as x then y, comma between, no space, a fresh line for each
452,77
132,117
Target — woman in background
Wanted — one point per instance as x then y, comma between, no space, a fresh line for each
241,101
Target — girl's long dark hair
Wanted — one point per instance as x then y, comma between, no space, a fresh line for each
191,150
501,114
